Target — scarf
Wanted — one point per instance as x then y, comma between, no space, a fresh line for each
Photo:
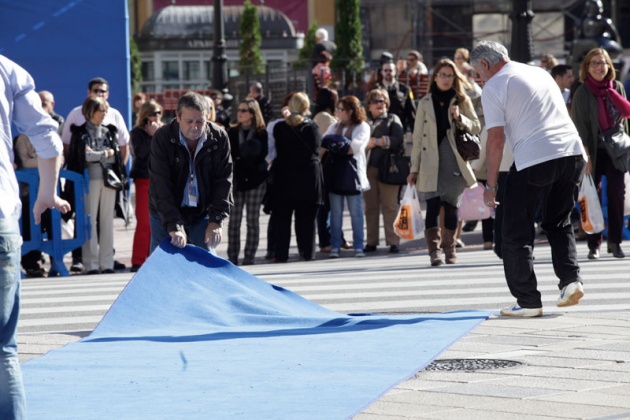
441,101
605,93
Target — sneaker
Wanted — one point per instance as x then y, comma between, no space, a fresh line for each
359,254
571,294
517,311
334,253
77,268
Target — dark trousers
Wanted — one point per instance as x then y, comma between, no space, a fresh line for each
615,192
555,183
305,213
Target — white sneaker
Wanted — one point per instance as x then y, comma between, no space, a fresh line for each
517,311
571,294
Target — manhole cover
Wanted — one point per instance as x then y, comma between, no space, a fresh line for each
471,364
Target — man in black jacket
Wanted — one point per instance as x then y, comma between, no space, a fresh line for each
400,96
190,171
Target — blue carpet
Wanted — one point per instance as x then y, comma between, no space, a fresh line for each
193,336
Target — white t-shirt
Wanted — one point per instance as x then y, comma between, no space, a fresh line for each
75,117
526,102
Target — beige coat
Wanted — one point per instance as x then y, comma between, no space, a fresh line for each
424,155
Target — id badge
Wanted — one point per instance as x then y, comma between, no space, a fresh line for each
192,195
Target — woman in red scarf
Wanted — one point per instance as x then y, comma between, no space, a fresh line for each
598,104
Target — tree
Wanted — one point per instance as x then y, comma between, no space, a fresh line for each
348,34
305,55
250,57
136,66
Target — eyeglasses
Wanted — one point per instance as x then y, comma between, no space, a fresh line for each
244,110
597,63
340,109
445,75
155,114
99,91
377,101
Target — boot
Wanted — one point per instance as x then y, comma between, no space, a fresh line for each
448,245
434,239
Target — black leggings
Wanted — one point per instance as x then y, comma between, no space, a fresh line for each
433,214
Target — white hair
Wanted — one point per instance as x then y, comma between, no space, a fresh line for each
491,51
322,34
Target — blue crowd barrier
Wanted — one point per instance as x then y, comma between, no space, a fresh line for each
52,243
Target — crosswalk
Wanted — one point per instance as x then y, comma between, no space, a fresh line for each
402,283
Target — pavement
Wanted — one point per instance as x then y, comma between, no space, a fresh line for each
568,364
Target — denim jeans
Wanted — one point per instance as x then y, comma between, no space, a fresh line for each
196,232
12,397
554,183
355,206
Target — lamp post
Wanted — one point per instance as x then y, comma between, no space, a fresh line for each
522,43
219,59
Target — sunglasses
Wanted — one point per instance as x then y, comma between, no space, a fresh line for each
155,114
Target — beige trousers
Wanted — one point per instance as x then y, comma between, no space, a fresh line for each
380,198
98,251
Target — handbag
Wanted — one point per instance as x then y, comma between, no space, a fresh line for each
111,179
468,145
617,144
409,223
394,169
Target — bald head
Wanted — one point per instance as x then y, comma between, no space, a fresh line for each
48,101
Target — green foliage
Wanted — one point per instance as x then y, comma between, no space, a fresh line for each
348,33
305,54
250,57
136,66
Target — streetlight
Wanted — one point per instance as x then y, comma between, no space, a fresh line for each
219,59
522,43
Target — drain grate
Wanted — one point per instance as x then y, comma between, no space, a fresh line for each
448,365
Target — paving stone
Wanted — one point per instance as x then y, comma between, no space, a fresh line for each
588,374
559,384
481,414
442,399
492,389
590,398
542,409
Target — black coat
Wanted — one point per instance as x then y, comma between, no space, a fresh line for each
169,168
140,150
250,166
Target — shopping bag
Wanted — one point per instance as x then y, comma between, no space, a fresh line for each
626,203
591,214
409,223
473,207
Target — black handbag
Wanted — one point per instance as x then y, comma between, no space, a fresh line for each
468,145
111,179
617,145
394,169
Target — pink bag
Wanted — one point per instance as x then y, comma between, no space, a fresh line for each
473,207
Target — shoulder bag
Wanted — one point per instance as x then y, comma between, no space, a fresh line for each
617,144
394,169
468,145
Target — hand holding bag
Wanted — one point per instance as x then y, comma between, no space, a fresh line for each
409,223
591,215
468,145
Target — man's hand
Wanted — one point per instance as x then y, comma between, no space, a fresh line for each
213,234
178,238
41,206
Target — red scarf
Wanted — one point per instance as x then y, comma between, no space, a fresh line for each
602,90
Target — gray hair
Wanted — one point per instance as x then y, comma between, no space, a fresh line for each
194,101
491,51
322,34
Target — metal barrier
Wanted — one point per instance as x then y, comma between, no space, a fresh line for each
52,243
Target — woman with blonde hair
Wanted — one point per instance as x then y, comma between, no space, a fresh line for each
599,104
248,145
297,179
437,169
149,120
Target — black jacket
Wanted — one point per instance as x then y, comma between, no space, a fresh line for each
391,127
250,166
169,167
402,104
140,150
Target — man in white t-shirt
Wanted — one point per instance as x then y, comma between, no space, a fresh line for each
523,107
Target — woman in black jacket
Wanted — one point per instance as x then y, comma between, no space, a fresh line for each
297,180
147,123
248,144
386,139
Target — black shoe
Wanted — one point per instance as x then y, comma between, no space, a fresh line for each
119,266
394,249
593,254
134,268
108,271
369,248
35,273
93,272
616,250
269,256
248,261
470,226
77,268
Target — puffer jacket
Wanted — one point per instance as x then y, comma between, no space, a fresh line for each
169,168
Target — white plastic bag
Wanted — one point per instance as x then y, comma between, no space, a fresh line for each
626,204
473,207
591,214
409,223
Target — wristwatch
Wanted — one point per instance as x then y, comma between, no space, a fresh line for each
493,189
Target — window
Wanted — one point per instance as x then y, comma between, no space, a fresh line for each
170,70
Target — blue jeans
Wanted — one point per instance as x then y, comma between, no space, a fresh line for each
196,232
12,397
554,183
355,206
